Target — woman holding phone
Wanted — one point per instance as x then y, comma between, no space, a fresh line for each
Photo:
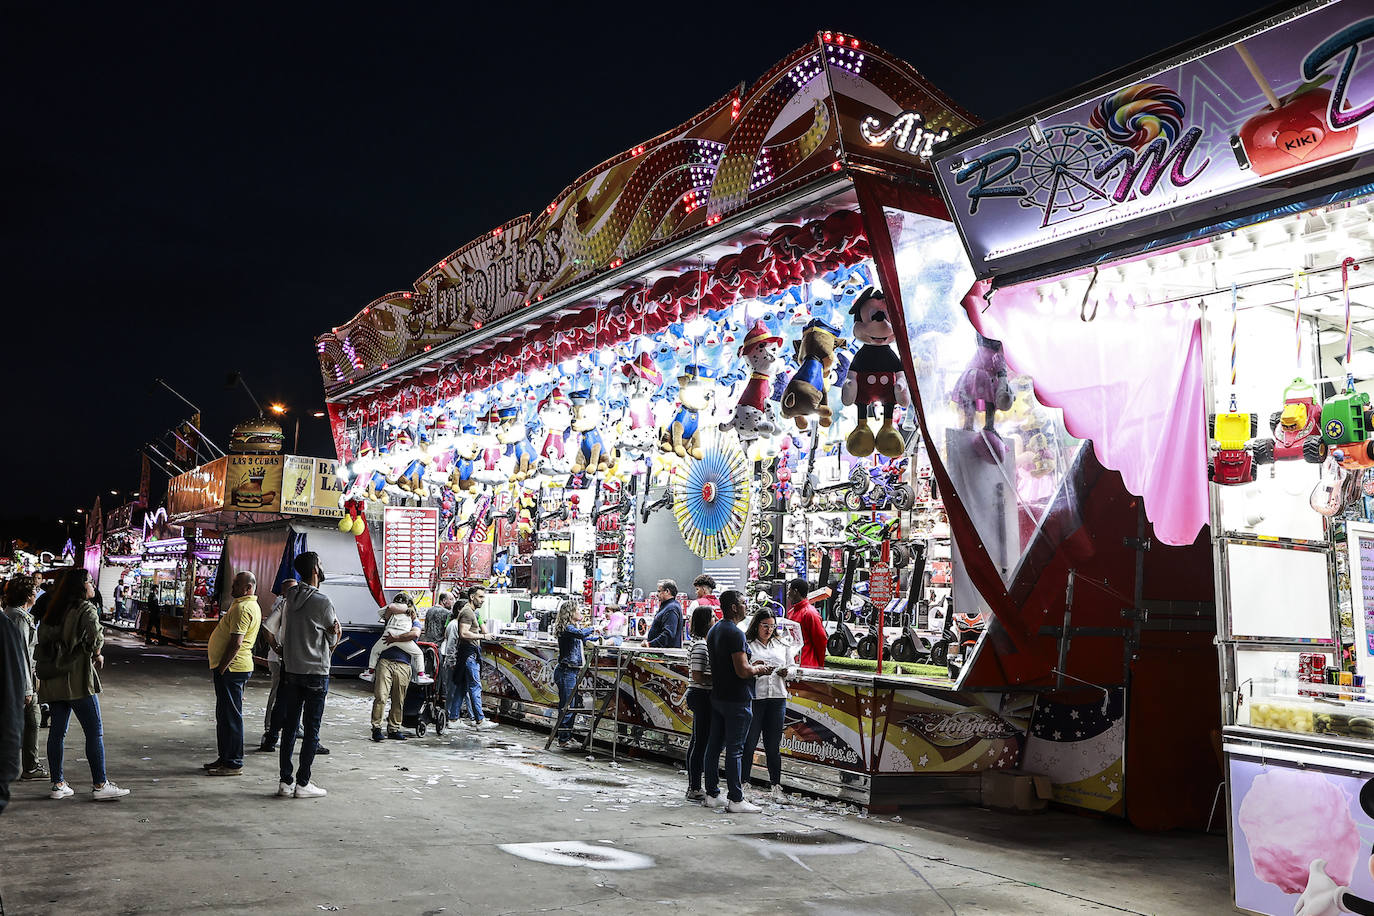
767,646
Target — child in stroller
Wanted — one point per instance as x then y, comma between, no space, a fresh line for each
425,702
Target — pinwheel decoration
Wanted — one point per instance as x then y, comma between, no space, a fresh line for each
711,499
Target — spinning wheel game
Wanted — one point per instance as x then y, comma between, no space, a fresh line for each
711,498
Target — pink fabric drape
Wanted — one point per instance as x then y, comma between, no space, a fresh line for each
1131,382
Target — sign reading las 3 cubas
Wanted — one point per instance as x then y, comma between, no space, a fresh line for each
1255,117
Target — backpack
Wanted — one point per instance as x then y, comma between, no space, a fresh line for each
56,658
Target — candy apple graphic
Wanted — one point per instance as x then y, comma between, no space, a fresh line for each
1294,133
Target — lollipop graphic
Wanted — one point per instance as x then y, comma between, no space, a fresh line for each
1136,115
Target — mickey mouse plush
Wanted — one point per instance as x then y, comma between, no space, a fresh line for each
875,377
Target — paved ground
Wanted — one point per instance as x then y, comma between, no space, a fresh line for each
494,824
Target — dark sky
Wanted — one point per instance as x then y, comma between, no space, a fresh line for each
198,188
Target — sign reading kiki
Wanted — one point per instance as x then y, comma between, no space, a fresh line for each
1256,117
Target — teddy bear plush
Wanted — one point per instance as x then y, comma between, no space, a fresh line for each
682,435
875,377
753,418
804,395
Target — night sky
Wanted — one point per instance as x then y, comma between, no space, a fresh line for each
203,188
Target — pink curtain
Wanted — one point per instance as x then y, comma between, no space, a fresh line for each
1129,381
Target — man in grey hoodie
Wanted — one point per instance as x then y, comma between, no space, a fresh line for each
309,632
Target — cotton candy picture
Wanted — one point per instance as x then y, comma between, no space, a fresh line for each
1289,818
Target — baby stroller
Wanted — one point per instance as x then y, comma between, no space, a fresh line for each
425,703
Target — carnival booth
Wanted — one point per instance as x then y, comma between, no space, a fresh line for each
270,507
1177,255
739,349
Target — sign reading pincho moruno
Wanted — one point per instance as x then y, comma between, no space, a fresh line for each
1259,117
298,484
253,483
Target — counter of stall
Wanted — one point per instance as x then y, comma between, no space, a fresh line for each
876,740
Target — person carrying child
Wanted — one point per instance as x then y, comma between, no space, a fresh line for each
398,643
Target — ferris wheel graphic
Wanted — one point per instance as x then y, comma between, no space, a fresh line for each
1058,173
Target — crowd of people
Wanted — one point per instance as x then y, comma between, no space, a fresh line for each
737,695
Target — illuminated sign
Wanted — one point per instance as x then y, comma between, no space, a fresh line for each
907,133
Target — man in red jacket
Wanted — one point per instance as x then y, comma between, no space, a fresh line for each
813,631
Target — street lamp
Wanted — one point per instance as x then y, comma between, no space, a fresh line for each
280,409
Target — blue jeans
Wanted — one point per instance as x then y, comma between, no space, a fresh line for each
229,715
468,679
699,702
566,679
767,721
302,700
87,711
729,725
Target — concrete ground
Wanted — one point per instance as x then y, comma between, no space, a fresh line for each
494,824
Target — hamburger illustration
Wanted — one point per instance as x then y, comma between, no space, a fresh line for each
257,436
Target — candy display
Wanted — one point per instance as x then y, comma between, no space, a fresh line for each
1291,818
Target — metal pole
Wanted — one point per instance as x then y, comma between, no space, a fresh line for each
296,446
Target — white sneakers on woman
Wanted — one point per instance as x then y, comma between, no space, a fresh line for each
742,807
61,790
108,792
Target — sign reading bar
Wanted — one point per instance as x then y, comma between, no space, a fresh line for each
410,546
1259,118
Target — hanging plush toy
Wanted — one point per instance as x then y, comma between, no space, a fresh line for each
511,434
411,478
372,473
592,454
753,418
804,395
555,414
639,380
984,385
875,377
682,436
466,448
352,522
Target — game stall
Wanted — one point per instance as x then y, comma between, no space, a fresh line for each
1178,255
739,349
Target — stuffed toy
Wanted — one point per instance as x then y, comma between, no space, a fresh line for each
372,473
984,385
592,453
875,377
411,478
352,521
753,418
511,433
682,436
639,381
804,395
555,415
466,449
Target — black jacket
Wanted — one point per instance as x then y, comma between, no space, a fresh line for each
11,705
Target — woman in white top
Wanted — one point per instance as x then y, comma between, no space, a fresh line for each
770,698
448,653
699,698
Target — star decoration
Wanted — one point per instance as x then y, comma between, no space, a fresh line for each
1112,786
925,759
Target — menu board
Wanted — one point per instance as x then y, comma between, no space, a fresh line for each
410,546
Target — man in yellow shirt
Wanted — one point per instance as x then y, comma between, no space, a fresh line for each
230,654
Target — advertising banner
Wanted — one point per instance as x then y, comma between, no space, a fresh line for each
298,482
201,490
254,482
410,546
1296,837
327,488
1257,118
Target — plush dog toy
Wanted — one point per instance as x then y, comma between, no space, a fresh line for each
640,380
372,474
555,415
875,377
466,448
411,478
592,453
753,418
804,395
511,434
682,436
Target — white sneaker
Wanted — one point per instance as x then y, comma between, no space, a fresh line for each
61,790
109,792
423,679
366,675
484,725
742,807
713,801
777,794
286,789
309,790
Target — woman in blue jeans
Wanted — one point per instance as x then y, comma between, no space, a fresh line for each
71,632
570,639
770,699
699,698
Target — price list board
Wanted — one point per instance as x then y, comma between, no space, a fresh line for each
410,547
